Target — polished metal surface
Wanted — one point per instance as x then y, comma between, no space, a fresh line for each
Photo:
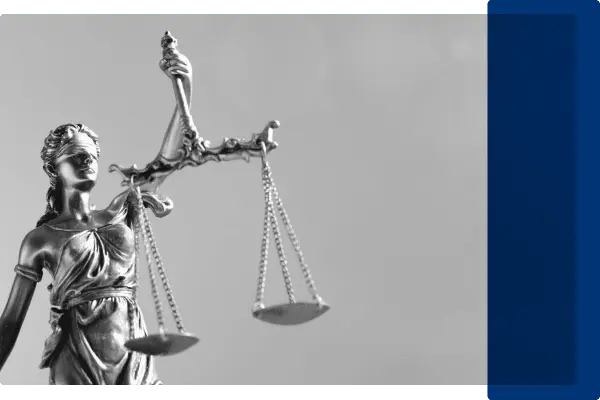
166,344
290,313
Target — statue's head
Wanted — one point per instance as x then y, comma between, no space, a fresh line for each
70,155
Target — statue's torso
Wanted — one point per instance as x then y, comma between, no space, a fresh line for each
91,262
88,259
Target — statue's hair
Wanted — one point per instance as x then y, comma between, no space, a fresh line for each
55,140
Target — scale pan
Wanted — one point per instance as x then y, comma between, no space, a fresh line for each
165,344
291,313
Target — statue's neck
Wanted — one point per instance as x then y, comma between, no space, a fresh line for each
76,205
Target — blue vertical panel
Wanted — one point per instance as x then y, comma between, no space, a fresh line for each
544,200
532,200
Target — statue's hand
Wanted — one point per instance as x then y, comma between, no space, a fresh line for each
174,64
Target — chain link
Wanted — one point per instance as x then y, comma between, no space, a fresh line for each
276,232
264,252
143,225
136,281
310,282
136,259
155,296
270,194
163,275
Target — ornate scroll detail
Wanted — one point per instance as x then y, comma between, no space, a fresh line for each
159,204
193,150
232,149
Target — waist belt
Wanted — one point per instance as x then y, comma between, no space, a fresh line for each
95,294
53,342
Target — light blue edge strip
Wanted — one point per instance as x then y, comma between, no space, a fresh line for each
243,11
449,389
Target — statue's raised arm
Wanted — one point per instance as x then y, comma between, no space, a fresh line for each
182,145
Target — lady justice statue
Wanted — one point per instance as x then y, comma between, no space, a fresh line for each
98,333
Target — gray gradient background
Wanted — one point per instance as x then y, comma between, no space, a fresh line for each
381,166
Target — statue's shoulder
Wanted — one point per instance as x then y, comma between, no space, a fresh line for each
35,237
34,247
120,202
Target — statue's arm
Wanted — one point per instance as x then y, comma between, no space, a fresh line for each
28,274
127,202
174,136
180,132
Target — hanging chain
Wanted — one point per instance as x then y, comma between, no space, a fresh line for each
165,281
136,282
296,245
157,303
270,193
276,232
264,252
136,260
161,269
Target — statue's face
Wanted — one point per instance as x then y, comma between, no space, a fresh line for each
77,164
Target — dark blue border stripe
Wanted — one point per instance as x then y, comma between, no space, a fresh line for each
531,199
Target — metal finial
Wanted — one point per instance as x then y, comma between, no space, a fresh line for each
168,41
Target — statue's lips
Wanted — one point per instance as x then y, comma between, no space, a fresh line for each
88,170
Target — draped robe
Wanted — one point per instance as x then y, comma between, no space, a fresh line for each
93,310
